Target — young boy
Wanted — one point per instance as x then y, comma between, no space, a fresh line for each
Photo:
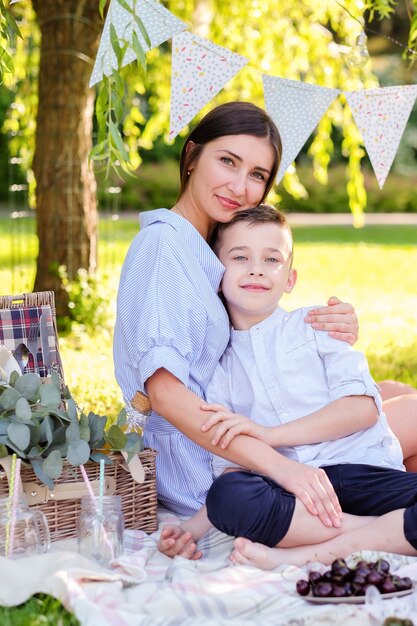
309,396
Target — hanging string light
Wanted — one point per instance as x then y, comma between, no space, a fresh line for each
358,55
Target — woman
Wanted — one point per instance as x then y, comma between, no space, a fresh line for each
171,327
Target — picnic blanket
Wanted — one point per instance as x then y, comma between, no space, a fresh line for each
146,588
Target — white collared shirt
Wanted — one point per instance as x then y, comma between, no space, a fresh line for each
282,369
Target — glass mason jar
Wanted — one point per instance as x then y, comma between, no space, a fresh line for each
24,532
100,535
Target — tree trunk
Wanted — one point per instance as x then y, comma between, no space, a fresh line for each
66,205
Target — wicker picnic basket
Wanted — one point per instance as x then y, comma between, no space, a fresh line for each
62,506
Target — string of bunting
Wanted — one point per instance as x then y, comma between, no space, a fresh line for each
200,69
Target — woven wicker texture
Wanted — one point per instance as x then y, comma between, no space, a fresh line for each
139,500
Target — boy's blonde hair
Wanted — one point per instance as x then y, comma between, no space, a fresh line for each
261,214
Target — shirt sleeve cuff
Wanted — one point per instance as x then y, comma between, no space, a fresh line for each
360,387
165,357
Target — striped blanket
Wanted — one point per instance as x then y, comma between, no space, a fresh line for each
146,588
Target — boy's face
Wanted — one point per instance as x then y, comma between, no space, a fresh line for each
257,258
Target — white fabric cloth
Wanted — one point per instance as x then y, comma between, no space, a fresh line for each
169,315
282,369
177,592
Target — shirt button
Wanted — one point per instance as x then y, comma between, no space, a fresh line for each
284,416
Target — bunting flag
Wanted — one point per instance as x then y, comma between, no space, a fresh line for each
296,109
381,115
159,24
200,69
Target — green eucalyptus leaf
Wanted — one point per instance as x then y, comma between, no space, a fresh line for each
52,465
72,410
78,453
50,395
3,451
59,435
8,398
122,418
97,424
23,410
44,478
34,453
28,386
115,437
84,428
72,433
14,377
45,430
3,426
134,441
19,435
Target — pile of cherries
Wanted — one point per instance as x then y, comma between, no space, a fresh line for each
341,581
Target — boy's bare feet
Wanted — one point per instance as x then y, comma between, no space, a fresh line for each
174,541
247,552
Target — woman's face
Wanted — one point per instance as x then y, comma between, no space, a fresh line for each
230,174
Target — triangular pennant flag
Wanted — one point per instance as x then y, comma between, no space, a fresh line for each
381,115
200,69
159,24
296,109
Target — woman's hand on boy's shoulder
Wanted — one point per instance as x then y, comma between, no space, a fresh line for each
228,425
337,318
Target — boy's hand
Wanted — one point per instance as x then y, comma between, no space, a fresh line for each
230,424
338,318
174,541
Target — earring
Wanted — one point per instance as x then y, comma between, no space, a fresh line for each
188,172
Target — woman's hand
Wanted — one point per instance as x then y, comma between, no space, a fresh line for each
229,425
312,487
338,318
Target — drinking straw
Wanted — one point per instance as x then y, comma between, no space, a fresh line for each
9,504
88,484
101,490
94,501
15,499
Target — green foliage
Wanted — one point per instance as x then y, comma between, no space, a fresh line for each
36,426
39,610
9,30
87,306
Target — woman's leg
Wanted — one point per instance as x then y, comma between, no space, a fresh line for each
401,414
393,388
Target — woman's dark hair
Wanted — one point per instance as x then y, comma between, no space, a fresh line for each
232,118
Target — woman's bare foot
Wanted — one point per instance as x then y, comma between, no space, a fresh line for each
246,552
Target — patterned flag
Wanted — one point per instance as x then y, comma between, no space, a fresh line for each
159,24
200,69
381,115
296,108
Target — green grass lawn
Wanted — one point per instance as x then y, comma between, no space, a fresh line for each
373,268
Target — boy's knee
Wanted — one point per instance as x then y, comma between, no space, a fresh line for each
242,504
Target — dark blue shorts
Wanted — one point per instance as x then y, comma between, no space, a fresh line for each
242,504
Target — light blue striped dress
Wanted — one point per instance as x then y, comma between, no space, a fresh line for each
169,315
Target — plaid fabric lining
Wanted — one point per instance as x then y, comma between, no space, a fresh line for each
15,324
